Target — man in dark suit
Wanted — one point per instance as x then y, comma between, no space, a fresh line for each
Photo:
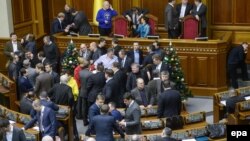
104,125
132,119
12,133
26,103
44,81
51,51
54,75
42,59
142,95
166,135
136,54
13,47
31,72
95,84
84,52
136,73
134,15
169,102
183,9
96,52
57,24
83,97
94,109
236,58
110,90
24,83
125,61
61,93
148,59
159,65
45,101
200,12
115,46
80,23
46,119
114,112
171,20
120,78
68,15
102,45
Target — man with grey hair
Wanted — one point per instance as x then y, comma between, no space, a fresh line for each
61,93
166,134
58,24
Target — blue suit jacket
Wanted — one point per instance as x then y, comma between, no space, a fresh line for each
45,103
104,125
93,111
24,85
49,122
116,114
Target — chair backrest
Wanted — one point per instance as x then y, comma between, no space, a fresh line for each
190,27
120,25
153,23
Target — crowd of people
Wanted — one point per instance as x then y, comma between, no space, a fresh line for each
106,78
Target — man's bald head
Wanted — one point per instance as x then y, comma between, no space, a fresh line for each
106,5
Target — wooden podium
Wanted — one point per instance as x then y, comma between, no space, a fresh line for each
203,62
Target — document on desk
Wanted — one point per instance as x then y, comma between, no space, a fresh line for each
247,98
223,102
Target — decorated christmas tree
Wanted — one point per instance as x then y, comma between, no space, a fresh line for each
177,76
69,61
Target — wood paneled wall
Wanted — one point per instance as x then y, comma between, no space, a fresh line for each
230,15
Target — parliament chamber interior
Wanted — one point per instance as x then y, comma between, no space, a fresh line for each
124,70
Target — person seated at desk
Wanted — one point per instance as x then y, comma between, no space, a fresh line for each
26,103
133,15
80,23
11,133
143,28
107,59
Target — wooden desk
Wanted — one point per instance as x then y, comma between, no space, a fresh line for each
203,62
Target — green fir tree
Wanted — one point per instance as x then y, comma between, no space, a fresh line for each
70,61
171,58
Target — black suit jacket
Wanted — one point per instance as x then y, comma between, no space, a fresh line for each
111,92
132,56
120,79
202,14
81,24
148,59
51,52
130,13
44,82
104,125
189,8
131,80
168,139
127,65
133,119
169,104
57,26
164,67
171,18
9,48
236,55
61,94
116,50
18,135
94,110
149,96
26,105
84,76
95,85
96,55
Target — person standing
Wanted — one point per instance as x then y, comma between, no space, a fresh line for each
171,20
199,12
12,47
51,51
57,24
235,59
104,125
132,119
104,17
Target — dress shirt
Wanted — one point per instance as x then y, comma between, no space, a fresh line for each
135,19
106,61
137,57
171,4
123,61
60,23
159,66
108,80
183,10
15,49
9,134
198,7
143,97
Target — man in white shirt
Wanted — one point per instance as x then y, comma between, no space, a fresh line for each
12,133
107,59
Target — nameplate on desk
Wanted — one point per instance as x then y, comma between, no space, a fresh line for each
94,35
118,36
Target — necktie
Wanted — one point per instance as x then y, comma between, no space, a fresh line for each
41,121
144,98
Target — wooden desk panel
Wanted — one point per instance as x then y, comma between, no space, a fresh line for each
203,62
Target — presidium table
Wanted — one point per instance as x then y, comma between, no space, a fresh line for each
203,62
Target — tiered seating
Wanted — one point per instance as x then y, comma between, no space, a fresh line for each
64,115
8,92
241,114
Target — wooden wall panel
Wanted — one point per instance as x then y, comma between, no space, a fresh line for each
125,5
27,14
242,10
16,11
202,69
184,66
222,12
2,56
86,6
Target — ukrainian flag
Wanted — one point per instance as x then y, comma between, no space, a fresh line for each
97,6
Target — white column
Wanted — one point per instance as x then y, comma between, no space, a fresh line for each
6,19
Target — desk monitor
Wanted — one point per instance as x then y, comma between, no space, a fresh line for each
94,35
153,37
